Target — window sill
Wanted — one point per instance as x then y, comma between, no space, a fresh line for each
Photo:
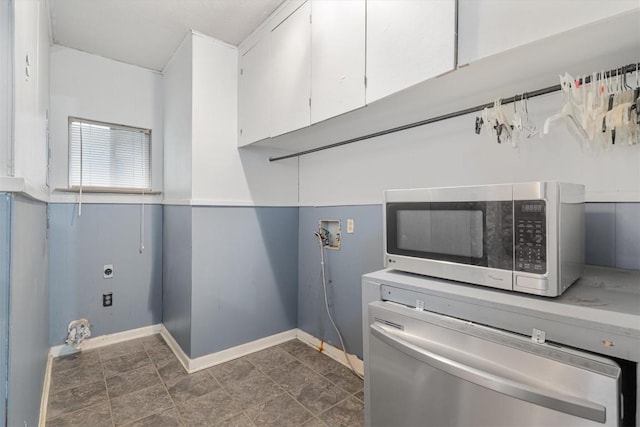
107,190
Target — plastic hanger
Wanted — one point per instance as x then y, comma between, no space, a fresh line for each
516,121
529,124
566,83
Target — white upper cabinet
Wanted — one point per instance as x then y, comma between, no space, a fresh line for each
408,41
337,57
254,94
291,72
487,27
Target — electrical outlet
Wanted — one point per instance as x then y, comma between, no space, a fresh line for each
350,225
107,299
107,270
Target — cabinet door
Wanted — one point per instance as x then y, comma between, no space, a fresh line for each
337,57
487,27
253,120
291,72
408,41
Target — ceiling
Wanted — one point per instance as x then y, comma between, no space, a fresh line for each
147,32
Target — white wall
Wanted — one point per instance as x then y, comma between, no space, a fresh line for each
177,124
5,83
92,87
486,27
31,94
222,174
450,153
203,165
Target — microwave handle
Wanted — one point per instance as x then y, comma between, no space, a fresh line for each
528,393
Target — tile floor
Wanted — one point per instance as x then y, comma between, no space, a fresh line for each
141,383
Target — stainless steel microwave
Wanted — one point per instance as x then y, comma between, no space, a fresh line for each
526,237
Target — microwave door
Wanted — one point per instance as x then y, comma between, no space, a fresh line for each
442,231
465,239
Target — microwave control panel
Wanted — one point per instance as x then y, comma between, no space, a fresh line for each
530,223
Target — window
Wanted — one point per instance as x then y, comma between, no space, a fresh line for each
106,155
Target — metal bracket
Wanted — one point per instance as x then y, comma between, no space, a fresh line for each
538,336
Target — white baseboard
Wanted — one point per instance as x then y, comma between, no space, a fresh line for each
175,347
333,352
44,400
104,340
204,362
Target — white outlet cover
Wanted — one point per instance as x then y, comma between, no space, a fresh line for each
350,225
104,271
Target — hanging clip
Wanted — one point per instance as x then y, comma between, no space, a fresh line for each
502,132
479,123
609,108
636,96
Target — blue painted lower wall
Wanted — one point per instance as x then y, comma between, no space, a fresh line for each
176,274
29,310
230,275
245,275
81,245
360,253
218,277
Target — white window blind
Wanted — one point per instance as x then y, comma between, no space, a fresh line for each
108,156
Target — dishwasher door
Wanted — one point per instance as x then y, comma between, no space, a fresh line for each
431,370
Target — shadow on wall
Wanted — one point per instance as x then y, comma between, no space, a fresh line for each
269,183
360,253
278,228
177,273
153,239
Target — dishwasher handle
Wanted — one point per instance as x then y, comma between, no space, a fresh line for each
528,393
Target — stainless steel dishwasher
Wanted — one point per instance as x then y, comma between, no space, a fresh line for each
426,369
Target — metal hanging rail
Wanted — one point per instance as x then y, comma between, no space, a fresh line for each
611,73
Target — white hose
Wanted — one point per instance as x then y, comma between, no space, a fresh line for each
326,304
